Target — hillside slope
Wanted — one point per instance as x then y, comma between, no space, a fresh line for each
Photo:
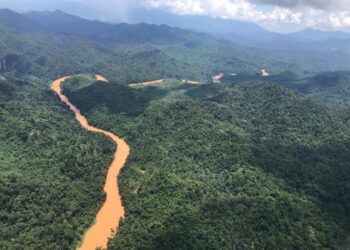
247,166
243,164
331,88
104,48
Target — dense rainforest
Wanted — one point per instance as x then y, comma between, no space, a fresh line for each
51,170
250,163
242,166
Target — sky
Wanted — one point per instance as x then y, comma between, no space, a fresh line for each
276,15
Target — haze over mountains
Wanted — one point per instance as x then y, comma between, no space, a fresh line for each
245,33
241,32
201,53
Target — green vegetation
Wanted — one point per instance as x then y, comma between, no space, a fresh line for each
242,166
331,88
52,44
51,171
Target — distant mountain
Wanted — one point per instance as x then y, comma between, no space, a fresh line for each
164,24
247,33
195,22
319,35
59,21
138,52
312,39
78,8
17,22
240,32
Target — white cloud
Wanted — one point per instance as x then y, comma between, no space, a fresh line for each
317,4
183,7
323,14
227,8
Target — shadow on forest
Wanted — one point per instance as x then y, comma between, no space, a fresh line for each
204,91
117,98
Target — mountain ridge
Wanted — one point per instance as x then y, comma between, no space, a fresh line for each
319,35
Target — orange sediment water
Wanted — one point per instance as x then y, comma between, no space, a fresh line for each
101,78
112,210
146,83
158,81
264,73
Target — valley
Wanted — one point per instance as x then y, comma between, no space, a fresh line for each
215,154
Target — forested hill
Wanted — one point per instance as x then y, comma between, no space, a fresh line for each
15,22
47,44
61,22
249,165
332,88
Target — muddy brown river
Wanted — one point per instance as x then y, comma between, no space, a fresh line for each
112,210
